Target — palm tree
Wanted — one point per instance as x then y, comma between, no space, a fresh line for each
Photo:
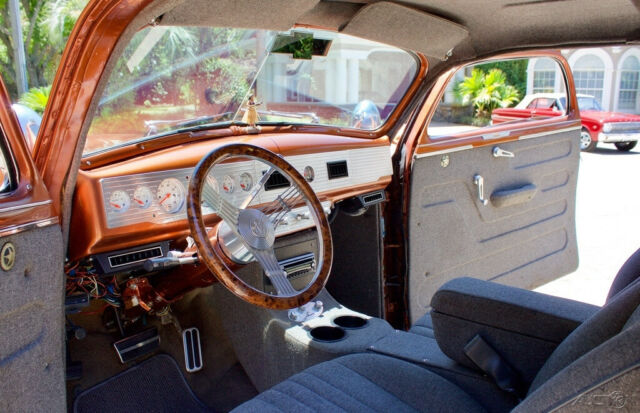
486,91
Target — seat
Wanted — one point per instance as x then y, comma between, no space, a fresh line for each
599,362
629,271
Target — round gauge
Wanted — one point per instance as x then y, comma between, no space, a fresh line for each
228,185
119,201
142,197
246,181
170,195
309,174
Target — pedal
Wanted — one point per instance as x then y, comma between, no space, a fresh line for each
192,349
137,345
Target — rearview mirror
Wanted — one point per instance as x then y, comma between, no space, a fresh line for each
300,45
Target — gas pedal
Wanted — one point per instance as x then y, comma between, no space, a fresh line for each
137,345
192,349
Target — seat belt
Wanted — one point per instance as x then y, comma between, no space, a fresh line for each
491,363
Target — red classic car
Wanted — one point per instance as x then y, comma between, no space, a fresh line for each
621,129
238,205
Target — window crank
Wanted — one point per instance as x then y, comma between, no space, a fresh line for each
478,180
501,153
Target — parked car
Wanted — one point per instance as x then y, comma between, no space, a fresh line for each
237,202
621,129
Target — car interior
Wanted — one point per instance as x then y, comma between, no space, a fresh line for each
286,206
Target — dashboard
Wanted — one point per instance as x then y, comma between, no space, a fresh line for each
142,201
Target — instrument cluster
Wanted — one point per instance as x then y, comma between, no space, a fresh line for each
160,197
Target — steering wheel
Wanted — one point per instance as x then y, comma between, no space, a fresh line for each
251,219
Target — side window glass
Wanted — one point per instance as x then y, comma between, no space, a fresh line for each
489,93
7,172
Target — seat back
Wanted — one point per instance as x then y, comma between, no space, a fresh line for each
629,272
599,362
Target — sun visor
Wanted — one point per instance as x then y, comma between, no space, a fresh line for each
277,15
408,28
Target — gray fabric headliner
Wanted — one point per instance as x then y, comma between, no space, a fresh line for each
493,25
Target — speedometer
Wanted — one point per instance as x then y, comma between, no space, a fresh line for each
170,195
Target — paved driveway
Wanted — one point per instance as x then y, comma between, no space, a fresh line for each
608,223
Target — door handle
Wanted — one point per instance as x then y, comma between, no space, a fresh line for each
501,153
478,180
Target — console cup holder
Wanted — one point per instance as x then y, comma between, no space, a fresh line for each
350,321
327,334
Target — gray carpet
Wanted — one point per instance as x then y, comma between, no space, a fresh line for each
155,385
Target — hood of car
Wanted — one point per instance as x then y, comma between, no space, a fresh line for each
603,116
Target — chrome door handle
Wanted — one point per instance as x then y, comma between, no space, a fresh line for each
478,180
501,153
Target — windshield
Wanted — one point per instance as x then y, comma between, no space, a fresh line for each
172,79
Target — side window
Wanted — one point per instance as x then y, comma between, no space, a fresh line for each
489,93
7,171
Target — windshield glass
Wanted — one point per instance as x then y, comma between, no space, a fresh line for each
588,103
171,79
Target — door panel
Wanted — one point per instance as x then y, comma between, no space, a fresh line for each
524,243
31,281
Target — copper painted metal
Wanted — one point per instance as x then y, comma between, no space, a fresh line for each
211,257
88,49
88,222
29,200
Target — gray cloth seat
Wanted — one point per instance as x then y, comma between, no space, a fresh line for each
628,273
363,383
601,356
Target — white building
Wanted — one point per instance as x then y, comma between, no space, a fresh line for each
611,74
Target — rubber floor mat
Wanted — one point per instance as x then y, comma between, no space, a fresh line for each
155,385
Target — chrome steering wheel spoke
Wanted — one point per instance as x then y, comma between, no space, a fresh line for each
269,262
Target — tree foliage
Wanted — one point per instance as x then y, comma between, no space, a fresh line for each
46,26
486,91
515,71
36,98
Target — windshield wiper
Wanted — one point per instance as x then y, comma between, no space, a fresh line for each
153,126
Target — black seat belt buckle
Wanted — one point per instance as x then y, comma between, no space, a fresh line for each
490,362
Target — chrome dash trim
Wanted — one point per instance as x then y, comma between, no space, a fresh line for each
15,229
553,132
444,151
25,206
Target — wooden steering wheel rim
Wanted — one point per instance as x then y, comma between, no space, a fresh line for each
217,265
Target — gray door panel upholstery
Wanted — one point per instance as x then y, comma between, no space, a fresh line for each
524,236
31,324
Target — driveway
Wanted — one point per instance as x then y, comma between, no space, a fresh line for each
608,223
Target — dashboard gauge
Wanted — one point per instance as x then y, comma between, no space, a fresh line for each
170,195
142,197
309,174
119,201
246,181
228,185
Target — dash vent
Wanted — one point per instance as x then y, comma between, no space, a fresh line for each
337,169
276,181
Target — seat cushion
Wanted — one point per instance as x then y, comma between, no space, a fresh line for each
423,327
360,383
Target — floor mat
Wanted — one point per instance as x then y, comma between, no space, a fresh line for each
155,385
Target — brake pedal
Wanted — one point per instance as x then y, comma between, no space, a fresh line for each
192,349
137,345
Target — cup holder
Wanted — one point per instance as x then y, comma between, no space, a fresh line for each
350,321
327,334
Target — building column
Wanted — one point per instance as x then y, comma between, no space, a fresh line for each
353,91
